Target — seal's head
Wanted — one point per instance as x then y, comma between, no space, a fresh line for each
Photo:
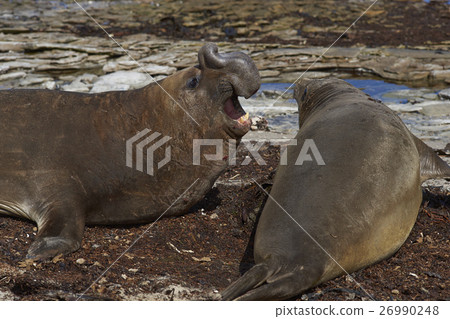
209,91
311,94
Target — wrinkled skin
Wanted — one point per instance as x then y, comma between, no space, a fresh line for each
63,154
354,211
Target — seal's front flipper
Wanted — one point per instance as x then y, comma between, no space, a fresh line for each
60,232
431,165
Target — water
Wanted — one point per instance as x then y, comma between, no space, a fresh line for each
375,88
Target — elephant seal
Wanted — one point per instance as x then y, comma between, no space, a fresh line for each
352,212
63,154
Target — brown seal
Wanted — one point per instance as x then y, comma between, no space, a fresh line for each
322,221
63,154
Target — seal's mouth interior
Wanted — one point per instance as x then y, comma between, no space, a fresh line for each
234,110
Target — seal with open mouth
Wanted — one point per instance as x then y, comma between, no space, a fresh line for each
63,154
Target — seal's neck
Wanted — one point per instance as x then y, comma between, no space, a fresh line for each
316,98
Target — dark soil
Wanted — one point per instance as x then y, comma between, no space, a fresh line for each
218,230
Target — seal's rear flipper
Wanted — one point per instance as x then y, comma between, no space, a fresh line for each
283,288
265,283
60,232
431,165
251,279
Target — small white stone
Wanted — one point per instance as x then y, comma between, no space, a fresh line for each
49,85
214,216
80,261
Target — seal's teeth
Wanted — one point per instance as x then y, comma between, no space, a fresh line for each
243,118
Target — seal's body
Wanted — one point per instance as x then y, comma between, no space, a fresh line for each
322,221
63,155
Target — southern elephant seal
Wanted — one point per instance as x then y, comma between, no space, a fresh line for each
354,211
63,154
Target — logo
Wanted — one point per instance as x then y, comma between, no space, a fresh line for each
308,148
144,142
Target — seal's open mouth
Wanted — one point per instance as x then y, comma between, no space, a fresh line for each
234,110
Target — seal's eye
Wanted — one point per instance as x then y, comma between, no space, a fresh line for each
193,83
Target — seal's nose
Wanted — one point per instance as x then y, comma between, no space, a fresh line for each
242,71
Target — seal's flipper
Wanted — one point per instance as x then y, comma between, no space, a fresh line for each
265,282
251,279
286,286
60,232
431,165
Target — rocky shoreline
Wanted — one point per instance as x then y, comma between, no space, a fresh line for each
55,60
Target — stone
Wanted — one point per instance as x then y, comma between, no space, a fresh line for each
113,66
404,107
80,261
155,69
49,85
435,108
444,94
4,68
269,73
440,74
430,96
214,216
76,86
407,93
12,76
121,80
433,128
87,78
31,80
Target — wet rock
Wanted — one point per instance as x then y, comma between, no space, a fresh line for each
430,96
407,93
445,94
435,108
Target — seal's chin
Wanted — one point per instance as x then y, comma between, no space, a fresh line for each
239,122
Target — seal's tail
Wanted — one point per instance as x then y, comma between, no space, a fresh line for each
431,165
262,282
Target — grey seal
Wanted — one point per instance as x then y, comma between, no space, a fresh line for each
63,154
322,221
